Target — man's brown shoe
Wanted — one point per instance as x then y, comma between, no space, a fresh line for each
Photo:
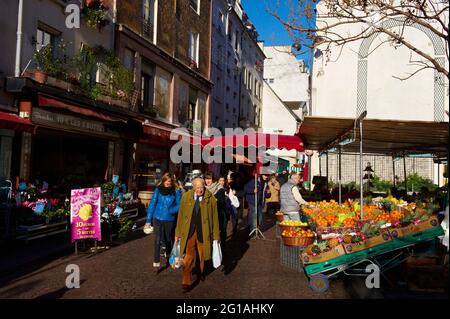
156,270
186,288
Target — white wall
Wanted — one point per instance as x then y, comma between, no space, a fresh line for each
290,83
276,119
335,80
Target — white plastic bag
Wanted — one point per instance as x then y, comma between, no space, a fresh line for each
217,254
233,199
175,260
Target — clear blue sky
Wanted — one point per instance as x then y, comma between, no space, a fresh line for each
270,30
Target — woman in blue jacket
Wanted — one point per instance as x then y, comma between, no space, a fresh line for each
162,213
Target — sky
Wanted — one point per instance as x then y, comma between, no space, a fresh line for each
270,30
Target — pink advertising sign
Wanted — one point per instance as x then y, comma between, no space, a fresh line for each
85,211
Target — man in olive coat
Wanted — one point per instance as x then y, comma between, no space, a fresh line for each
197,228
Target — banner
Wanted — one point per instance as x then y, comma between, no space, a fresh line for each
85,211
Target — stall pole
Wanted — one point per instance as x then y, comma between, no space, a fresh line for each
361,169
327,167
360,119
439,174
404,172
320,165
256,231
393,169
340,176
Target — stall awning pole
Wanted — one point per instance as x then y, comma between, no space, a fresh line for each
404,172
393,169
360,119
340,176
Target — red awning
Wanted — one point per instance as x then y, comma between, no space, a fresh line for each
15,122
276,141
50,102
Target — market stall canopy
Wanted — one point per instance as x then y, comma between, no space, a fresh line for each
379,136
15,122
273,141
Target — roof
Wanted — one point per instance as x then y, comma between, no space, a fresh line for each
379,136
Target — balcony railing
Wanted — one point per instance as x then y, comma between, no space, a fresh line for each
147,29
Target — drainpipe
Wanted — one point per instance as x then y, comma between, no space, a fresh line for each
19,39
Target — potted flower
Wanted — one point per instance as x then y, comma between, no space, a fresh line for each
44,60
96,13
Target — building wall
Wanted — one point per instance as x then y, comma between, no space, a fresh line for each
167,49
251,103
52,14
286,75
276,119
224,70
336,80
342,78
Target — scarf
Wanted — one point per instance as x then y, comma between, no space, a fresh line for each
214,187
166,190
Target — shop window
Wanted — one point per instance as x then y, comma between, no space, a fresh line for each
162,93
195,5
183,106
147,88
148,19
129,59
151,163
193,48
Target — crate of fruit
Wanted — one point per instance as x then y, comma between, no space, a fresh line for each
415,227
322,251
279,216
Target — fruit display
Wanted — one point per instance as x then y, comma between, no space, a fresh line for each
279,213
293,223
299,232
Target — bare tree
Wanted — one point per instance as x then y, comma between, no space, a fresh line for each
332,24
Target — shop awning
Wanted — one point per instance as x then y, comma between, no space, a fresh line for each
45,101
15,122
384,137
273,141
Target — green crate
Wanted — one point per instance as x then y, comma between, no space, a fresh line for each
374,251
418,237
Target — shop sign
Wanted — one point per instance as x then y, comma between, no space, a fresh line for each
42,116
85,211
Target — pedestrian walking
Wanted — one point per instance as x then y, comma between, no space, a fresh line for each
217,189
291,199
273,202
161,213
197,226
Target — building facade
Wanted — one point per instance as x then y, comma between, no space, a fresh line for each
76,138
236,70
167,45
360,78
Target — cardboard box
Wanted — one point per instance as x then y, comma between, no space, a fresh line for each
333,253
411,229
369,242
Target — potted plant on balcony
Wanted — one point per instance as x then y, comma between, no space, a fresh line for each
44,61
96,13
193,64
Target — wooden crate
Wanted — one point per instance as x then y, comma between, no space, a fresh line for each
333,253
411,229
369,242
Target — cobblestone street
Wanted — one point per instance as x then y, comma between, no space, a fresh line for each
251,269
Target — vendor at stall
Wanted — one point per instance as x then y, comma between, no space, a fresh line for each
291,199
